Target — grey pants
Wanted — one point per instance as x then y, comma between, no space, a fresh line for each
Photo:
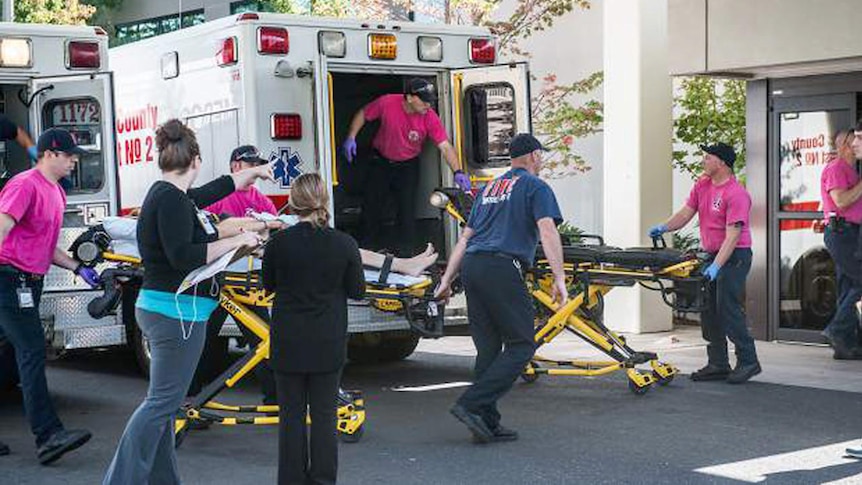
145,454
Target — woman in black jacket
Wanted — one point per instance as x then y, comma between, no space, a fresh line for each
313,269
174,238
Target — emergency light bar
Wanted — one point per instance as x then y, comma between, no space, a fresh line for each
82,55
286,126
430,49
332,44
273,40
382,46
227,54
15,52
483,51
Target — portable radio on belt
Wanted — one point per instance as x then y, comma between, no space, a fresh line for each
25,294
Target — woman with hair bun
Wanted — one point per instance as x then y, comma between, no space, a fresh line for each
174,238
313,269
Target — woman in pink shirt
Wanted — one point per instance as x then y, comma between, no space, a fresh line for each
723,207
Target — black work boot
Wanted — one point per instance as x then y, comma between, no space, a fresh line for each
502,433
4,449
743,373
477,425
61,443
711,372
842,351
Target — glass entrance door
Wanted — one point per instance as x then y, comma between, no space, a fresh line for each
802,271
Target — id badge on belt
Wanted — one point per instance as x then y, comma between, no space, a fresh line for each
25,295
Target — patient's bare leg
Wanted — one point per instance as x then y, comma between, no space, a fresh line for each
410,266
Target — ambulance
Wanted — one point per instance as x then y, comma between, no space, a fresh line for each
290,85
57,76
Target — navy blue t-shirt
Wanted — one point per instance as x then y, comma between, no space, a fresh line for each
504,215
8,130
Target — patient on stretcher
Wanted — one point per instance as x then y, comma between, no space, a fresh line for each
122,232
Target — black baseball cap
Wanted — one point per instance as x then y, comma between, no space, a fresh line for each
723,151
247,154
524,144
58,140
422,88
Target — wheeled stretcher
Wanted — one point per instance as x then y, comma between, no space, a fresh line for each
113,243
593,269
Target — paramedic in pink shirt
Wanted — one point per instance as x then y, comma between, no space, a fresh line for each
406,121
237,204
840,192
242,201
31,215
723,207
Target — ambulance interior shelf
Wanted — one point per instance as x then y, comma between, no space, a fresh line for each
114,242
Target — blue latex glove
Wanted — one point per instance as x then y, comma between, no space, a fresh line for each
711,272
462,180
349,147
89,275
656,231
33,152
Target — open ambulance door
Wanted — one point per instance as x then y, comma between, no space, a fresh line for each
82,104
490,105
325,151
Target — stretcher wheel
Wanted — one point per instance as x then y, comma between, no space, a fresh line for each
636,389
663,381
352,438
530,378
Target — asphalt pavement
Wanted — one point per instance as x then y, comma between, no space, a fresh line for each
573,430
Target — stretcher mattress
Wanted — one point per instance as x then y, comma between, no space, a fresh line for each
123,234
630,258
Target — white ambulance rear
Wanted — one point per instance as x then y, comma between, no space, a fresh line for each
290,86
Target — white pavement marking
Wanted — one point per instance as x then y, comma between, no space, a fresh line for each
432,387
759,469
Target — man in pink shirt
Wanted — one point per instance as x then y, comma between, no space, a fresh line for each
723,207
242,201
405,122
237,204
840,191
31,215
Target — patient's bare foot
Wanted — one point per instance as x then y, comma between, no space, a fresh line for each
417,264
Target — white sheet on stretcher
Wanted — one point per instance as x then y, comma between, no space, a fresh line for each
394,279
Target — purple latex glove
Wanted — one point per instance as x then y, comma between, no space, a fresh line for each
89,275
33,152
462,180
349,147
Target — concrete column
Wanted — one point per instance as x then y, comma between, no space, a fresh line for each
637,150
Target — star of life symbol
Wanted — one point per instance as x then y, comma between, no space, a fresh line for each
285,165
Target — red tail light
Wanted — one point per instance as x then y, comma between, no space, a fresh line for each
286,126
483,51
83,55
273,40
227,55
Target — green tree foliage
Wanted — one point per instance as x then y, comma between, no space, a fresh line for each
708,110
67,12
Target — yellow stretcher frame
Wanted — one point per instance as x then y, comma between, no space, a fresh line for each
239,292
575,317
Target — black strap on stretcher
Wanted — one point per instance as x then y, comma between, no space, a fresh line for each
385,269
